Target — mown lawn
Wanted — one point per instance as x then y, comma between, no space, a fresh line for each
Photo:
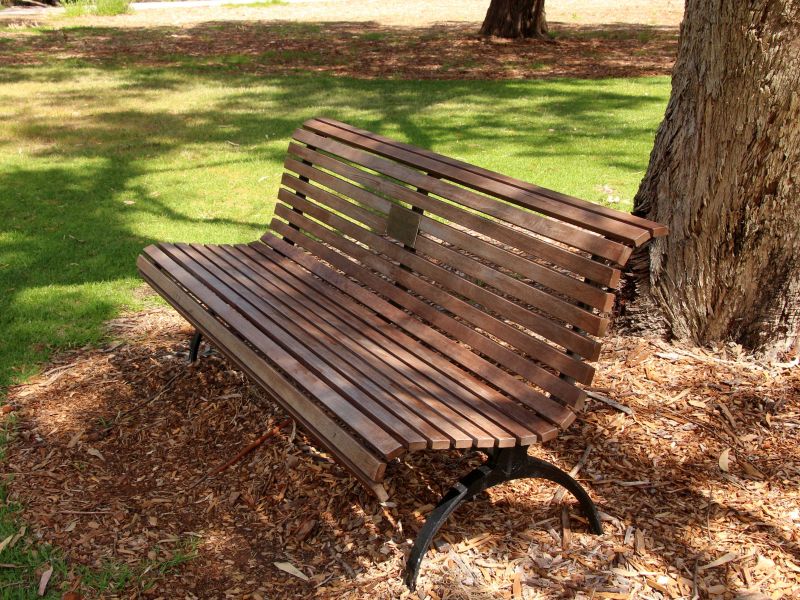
96,163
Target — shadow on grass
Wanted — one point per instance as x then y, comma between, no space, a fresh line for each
101,162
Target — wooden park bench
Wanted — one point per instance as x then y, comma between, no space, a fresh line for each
405,301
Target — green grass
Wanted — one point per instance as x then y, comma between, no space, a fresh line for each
103,8
374,36
96,163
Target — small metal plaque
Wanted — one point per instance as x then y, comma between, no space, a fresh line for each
403,225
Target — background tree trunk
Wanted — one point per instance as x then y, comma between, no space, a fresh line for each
725,176
515,19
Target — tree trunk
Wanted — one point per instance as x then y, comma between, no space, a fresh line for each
725,176
515,19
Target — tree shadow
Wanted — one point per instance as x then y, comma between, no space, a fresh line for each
162,426
364,50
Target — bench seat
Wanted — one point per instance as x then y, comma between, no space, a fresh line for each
390,391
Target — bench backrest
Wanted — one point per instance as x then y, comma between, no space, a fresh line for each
523,276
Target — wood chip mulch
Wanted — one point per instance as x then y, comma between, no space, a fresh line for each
694,463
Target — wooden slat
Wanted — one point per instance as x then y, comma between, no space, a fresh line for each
334,438
581,291
655,229
387,444
304,329
601,246
432,417
462,383
531,371
549,303
551,228
468,360
580,265
590,295
462,407
557,333
546,380
307,349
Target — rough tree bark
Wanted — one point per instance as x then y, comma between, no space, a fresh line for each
725,176
515,19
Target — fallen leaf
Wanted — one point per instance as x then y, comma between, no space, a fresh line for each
6,542
765,563
516,586
304,529
793,566
45,580
72,596
95,452
17,537
291,569
638,541
724,460
74,439
724,559
751,470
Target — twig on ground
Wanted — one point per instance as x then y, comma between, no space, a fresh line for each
247,450
620,407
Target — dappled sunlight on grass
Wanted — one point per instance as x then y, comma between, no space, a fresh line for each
98,163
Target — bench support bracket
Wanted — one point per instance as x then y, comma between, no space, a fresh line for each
504,464
194,346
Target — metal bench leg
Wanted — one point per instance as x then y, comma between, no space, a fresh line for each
504,465
194,346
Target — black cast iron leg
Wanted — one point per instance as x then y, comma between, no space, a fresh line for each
194,347
473,483
504,465
544,470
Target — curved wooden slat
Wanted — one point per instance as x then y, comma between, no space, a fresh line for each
560,231
655,229
609,230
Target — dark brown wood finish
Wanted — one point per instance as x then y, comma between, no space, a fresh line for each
407,301
655,229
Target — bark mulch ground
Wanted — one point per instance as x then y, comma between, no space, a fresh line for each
363,50
694,463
